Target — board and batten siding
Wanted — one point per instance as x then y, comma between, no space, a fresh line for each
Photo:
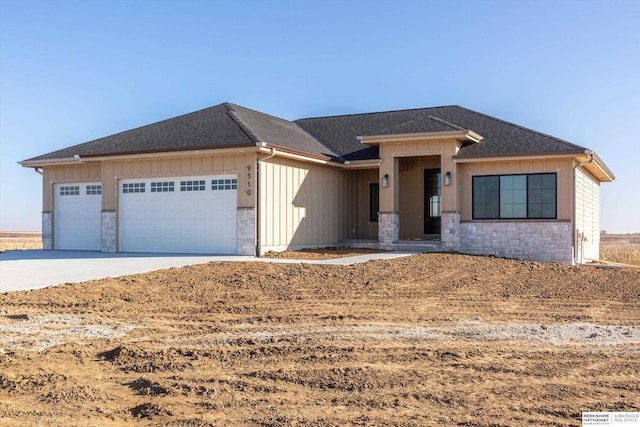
303,205
562,167
229,164
587,216
108,173
80,173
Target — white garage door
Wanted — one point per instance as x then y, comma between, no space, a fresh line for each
179,215
77,216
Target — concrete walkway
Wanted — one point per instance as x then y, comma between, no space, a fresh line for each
34,269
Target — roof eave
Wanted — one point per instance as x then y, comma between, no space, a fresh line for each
602,168
280,151
467,135
50,162
137,155
362,164
516,156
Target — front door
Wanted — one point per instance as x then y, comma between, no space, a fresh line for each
432,201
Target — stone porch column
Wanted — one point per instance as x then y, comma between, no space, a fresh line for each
450,230
388,227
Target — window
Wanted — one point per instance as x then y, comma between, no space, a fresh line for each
70,190
94,189
192,185
515,196
162,187
224,184
374,201
133,187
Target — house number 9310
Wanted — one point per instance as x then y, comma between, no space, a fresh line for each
248,180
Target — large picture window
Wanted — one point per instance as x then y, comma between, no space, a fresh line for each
515,196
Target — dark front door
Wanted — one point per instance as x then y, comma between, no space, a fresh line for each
432,201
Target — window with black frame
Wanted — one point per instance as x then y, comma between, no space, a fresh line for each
374,201
531,196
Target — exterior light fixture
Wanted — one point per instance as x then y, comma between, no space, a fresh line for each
447,178
385,181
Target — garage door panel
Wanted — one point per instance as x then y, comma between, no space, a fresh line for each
193,218
77,218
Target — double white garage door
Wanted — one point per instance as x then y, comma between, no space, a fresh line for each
170,215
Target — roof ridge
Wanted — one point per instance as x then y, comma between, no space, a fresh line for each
238,120
231,105
375,112
522,127
444,122
336,155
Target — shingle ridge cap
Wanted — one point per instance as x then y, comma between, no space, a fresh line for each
127,131
336,155
374,112
144,126
444,122
448,123
233,114
522,127
232,105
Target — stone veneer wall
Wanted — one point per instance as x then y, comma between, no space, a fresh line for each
246,231
388,227
47,231
108,230
549,241
450,226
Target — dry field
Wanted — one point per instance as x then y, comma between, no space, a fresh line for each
623,248
434,339
20,240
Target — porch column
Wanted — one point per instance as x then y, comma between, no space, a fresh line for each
389,216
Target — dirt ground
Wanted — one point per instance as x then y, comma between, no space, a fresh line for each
323,253
434,339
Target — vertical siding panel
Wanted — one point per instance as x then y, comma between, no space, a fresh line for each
217,164
269,199
206,164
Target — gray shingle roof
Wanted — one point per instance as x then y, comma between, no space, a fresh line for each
276,131
224,125
206,128
230,125
501,138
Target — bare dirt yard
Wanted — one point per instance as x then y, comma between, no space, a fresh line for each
322,253
434,339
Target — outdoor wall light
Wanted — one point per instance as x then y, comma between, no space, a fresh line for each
447,178
385,181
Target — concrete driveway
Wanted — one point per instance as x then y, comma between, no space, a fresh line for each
34,269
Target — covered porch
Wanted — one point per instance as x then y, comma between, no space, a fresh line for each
418,193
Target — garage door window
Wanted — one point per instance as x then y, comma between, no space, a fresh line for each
192,185
94,189
133,187
162,187
224,184
70,190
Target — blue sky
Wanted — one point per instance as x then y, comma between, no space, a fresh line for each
73,71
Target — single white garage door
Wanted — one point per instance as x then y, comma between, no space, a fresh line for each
178,215
76,216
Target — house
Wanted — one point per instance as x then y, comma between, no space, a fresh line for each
231,180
